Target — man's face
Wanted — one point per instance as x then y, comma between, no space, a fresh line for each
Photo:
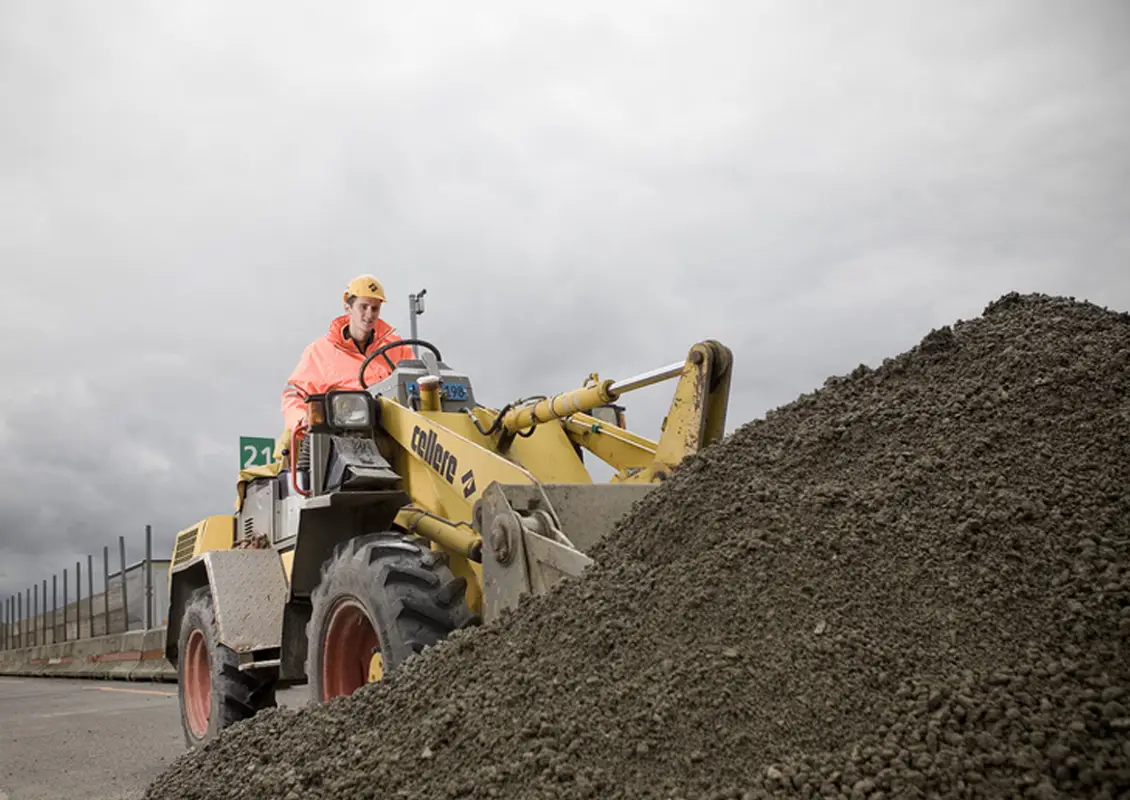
363,315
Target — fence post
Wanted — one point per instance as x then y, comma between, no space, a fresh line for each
19,620
7,624
106,586
78,599
125,605
35,638
148,577
44,595
90,592
54,609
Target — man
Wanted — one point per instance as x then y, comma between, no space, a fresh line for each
334,360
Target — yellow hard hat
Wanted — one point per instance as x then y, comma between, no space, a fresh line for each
364,286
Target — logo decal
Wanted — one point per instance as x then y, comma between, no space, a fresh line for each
426,445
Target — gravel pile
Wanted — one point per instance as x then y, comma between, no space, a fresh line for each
913,582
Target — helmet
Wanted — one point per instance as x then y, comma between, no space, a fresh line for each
364,286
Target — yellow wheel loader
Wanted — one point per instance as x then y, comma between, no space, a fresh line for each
397,514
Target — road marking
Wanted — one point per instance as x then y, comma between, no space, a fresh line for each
131,691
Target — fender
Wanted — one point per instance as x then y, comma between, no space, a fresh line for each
249,595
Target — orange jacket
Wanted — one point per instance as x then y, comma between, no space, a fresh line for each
333,361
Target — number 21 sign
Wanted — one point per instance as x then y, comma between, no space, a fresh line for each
255,451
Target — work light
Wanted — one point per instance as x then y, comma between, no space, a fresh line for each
350,410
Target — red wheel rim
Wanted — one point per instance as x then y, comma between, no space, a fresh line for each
347,650
197,684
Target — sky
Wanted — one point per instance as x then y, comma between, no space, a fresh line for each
186,188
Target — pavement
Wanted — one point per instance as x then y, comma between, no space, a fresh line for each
97,740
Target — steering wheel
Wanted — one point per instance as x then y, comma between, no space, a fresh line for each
380,351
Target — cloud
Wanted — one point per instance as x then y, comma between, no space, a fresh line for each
589,187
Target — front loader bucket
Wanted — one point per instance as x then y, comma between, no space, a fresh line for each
535,535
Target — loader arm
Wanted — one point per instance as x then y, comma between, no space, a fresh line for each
697,416
696,419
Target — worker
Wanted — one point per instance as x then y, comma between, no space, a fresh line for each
333,361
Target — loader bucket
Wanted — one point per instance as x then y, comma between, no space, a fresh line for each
534,535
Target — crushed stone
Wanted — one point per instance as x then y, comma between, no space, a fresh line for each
912,582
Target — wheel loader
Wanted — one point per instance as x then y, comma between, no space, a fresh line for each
399,513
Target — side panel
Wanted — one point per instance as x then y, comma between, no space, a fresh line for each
211,533
257,517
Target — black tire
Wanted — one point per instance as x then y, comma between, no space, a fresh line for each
231,695
395,584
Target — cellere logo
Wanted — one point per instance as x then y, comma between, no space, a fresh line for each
426,445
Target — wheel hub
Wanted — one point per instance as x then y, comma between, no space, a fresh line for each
350,652
197,684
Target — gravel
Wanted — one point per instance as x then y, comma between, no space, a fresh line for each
912,582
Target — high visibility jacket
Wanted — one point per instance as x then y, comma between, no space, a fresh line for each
333,361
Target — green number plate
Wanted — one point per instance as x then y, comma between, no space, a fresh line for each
255,451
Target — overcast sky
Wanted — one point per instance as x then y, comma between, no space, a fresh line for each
185,188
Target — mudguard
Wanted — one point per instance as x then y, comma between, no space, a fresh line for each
249,594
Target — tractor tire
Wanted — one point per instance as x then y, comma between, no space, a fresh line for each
212,691
383,593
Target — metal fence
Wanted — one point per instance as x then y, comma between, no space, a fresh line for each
133,597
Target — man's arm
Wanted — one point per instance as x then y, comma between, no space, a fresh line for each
302,382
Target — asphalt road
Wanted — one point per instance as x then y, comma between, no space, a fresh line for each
95,740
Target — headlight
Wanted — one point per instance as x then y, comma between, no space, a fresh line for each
353,410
